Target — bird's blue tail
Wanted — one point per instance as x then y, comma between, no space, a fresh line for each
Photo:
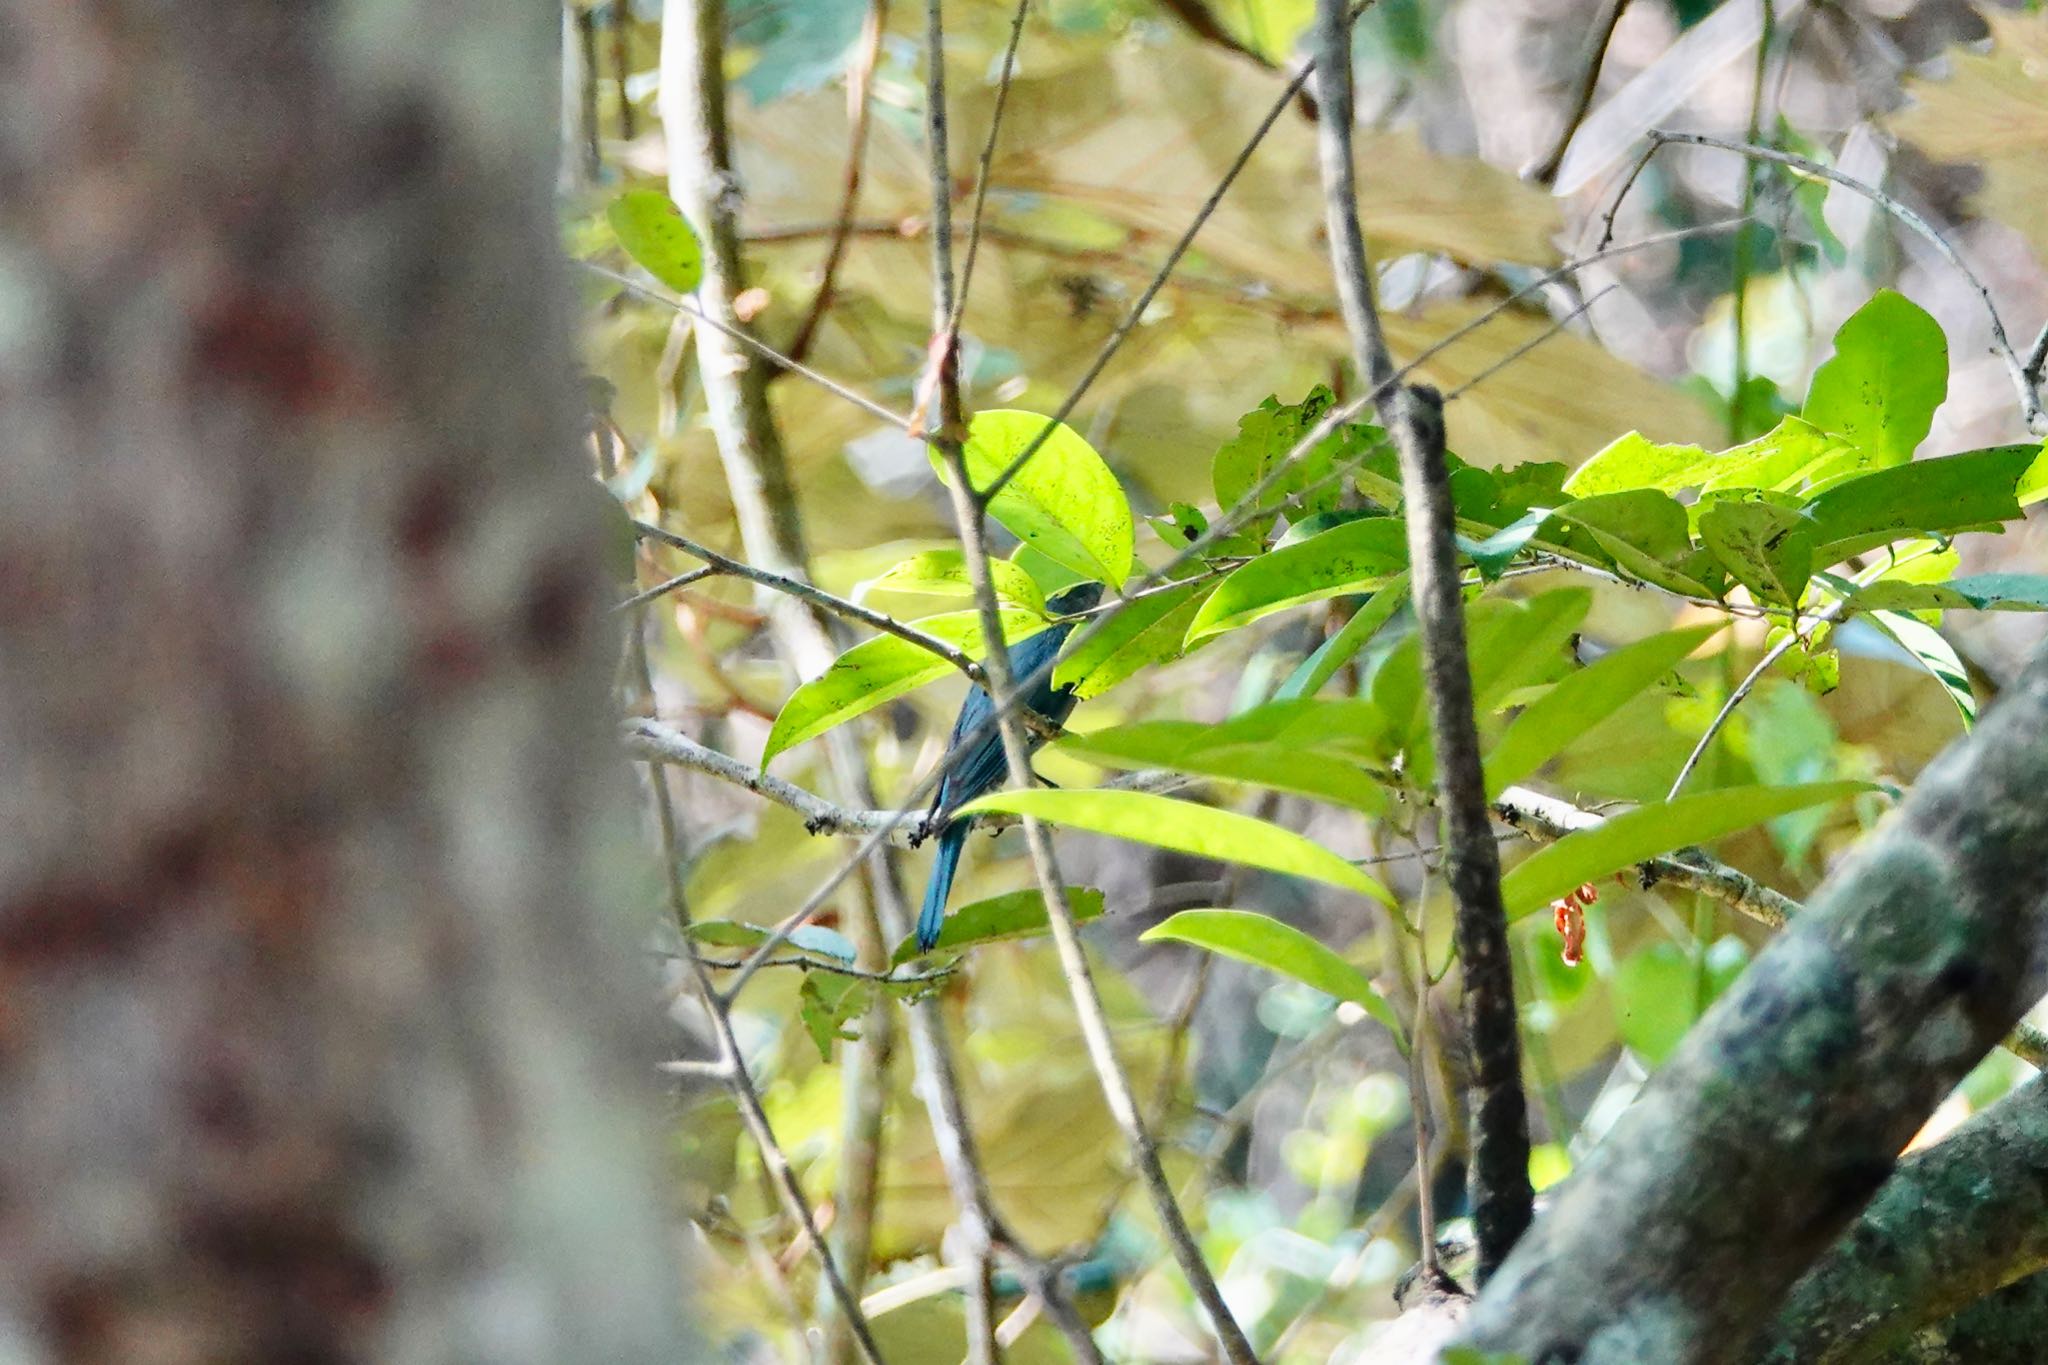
941,885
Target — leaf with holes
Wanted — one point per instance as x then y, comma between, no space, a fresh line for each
1887,376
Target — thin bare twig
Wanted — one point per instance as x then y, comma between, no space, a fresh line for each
816,596
1544,172
1136,312
753,343
860,79
981,175
2031,409
662,589
1501,1195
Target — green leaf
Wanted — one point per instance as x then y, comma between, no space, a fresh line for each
1643,533
1926,497
1634,462
1264,437
660,240
2033,485
1351,637
1649,830
1973,592
1064,500
1150,630
1187,828
809,938
1186,746
1934,654
1344,559
1013,915
1266,942
1888,375
881,670
1767,549
1586,697
1509,645
828,1004
943,573
1491,555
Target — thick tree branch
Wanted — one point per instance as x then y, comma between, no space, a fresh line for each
1954,1223
1783,1111
1501,1195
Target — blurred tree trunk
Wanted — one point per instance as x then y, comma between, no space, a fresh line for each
313,1046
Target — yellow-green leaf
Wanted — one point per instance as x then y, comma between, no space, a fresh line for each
1185,827
1266,942
1064,500
660,240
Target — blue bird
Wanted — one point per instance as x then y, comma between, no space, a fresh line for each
982,769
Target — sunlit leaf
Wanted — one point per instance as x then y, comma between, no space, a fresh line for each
1150,630
1643,533
1200,750
943,573
1268,434
1187,828
1013,915
1632,461
1887,376
880,670
653,231
1064,500
1583,699
1348,558
1267,942
1649,830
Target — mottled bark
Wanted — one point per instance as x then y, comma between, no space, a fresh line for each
1753,1148
315,1044
2005,1328
1954,1223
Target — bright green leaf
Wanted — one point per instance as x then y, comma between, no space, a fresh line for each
1319,667
809,938
943,573
1767,549
1188,828
1586,697
1150,630
1267,942
1888,375
1649,830
1064,499
1013,915
881,670
1190,747
828,1004
1634,462
660,240
1344,559
1267,434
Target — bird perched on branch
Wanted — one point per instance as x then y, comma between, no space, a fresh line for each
981,769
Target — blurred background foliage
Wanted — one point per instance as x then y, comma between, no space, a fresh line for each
1285,1119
